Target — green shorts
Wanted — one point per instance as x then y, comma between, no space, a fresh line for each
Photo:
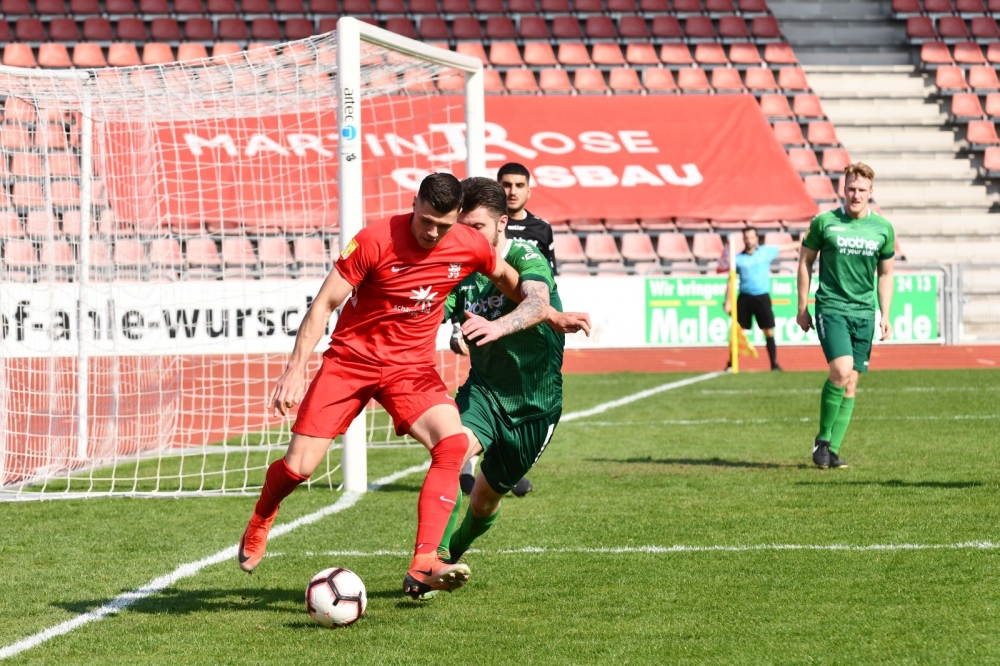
510,450
840,335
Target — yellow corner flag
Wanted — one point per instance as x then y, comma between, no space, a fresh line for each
739,344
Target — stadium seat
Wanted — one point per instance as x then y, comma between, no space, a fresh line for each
938,7
676,54
638,247
80,8
14,7
129,255
27,194
203,258
611,269
598,27
720,7
505,54
710,54
65,193
993,52
667,27
693,79
521,81
522,6
992,104
765,27
539,54
554,81
154,7
574,268
573,53
982,78
969,53
130,30
781,238
673,246
58,255
788,133
533,27
657,79
120,7
484,7
706,246
6,35
822,133
699,27
793,79
727,80
935,53
965,106
991,162
156,53
434,28
687,6
692,224
761,79
624,80
953,27
745,54
608,54
232,30
20,258
621,225
984,29
121,54
641,54
820,188
920,28
775,106
97,29
238,253
970,7
979,133
950,78
492,81
780,54
16,110
586,225
53,55
566,27
40,223
189,51
732,28
473,49
835,160
165,253
26,165
10,224
399,25
601,247
568,248
807,106
556,7
590,81
19,55
648,268
622,6
753,7
163,29
88,55
804,160
14,136
28,29
633,28
64,30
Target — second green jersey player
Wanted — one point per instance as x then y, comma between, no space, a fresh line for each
512,400
856,248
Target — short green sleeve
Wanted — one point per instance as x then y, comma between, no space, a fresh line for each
814,237
889,249
531,264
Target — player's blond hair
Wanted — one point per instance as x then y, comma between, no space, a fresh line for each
859,170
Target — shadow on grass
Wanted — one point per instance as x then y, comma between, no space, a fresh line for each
400,488
183,602
897,483
701,462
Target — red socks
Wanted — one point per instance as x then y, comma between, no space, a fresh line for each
278,484
437,495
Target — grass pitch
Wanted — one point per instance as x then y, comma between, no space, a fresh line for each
582,571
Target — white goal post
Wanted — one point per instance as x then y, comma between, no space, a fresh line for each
162,231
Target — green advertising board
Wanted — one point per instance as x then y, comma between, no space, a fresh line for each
688,311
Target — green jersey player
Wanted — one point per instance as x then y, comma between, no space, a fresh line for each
854,246
512,400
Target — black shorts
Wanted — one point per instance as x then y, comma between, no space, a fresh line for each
758,307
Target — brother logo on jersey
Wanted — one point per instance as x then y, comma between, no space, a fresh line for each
483,305
857,245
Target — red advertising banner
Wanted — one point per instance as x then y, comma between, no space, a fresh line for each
622,156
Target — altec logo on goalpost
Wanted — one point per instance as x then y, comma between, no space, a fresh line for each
702,156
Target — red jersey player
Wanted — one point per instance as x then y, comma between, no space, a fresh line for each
397,273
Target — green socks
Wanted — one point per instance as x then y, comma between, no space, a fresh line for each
840,425
472,528
829,408
450,528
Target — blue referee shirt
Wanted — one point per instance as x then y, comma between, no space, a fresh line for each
755,269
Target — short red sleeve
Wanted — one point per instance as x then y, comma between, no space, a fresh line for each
358,257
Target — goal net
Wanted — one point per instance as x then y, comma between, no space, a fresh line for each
163,230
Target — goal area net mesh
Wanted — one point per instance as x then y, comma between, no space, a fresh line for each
163,230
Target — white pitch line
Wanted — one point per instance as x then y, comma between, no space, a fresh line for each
783,419
669,550
810,391
123,601
603,407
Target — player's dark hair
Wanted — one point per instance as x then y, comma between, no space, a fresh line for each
479,192
442,191
514,169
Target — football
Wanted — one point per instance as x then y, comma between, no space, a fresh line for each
336,597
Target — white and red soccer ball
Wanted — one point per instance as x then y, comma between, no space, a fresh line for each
336,597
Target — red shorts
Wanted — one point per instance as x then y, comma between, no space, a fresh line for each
342,389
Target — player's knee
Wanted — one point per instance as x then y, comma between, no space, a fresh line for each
484,504
451,450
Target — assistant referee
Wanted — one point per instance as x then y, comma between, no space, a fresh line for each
753,265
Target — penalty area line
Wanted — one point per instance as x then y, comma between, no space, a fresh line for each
123,601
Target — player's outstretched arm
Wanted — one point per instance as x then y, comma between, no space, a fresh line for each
886,285
290,387
807,257
531,311
507,280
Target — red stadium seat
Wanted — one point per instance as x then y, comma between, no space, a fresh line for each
676,54
804,160
65,193
273,251
472,49
621,224
793,79
935,53
589,81
788,133
822,133
533,27
633,27
40,223
399,25
599,27
14,136
64,30
163,253
966,105
6,35
673,246
88,55
434,27
14,7
505,54
17,110
950,78
938,6
808,106
389,7
199,29
970,7
693,79
189,51
984,28
63,165
522,6
667,27
252,7
775,106
321,7
733,28
29,30
607,53
953,27
761,79
991,159
820,188
299,28
156,53
727,79
706,246
920,28
720,6
97,29
53,55
587,6
586,225
129,30
555,81
539,54
484,7
980,132
19,255
568,248
80,8
10,224
656,79
638,247
492,81
573,53
992,104
601,247
699,27
154,7
753,6
745,54
130,253
232,29
688,6
981,78
835,160
765,27
710,54
906,7
993,52
120,7
969,53
780,54
292,7
57,254
202,253
622,6
521,81
123,54
692,224
566,27
641,54
556,7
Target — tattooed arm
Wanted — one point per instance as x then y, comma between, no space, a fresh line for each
533,310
